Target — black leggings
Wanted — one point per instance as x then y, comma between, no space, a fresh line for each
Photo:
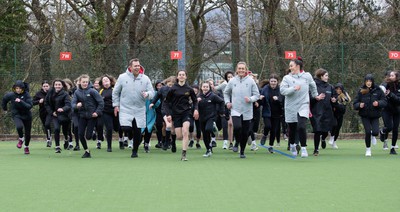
86,127
317,138
299,128
111,123
75,128
134,133
46,128
336,129
207,128
159,127
275,131
21,125
391,123
371,127
241,131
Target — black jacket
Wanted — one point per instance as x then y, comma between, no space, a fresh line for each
106,94
393,98
20,109
178,99
368,96
91,102
56,100
322,119
209,105
161,95
40,95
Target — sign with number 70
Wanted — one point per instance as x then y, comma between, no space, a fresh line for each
394,55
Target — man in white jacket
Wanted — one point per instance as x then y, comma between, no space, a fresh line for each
129,100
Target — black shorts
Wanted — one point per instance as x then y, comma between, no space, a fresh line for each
180,119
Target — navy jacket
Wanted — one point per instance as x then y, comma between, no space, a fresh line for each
91,102
20,109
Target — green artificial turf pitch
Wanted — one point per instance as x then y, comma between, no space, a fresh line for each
337,180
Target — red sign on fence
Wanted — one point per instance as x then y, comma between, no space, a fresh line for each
290,55
394,55
176,55
65,56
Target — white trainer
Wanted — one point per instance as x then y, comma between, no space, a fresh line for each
304,152
225,145
331,140
373,140
253,146
368,152
249,140
293,149
130,145
396,147
334,146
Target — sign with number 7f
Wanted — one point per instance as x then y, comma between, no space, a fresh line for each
176,55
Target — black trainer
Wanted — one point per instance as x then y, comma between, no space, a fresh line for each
393,151
77,148
173,146
70,147
316,153
230,146
58,150
134,154
98,146
263,139
242,156
126,143
109,150
191,143
270,149
121,145
66,144
323,144
146,148
158,145
198,146
86,155
213,144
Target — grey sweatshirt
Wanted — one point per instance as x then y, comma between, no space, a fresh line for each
237,89
298,101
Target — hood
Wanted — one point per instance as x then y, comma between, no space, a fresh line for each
23,85
340,85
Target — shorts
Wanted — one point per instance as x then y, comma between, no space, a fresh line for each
180,119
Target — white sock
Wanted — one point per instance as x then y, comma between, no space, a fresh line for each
212,138
71,143
303,148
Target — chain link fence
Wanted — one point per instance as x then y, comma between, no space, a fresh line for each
346,63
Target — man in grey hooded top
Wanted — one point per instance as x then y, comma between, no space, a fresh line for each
129,100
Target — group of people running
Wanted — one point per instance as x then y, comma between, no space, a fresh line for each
131,106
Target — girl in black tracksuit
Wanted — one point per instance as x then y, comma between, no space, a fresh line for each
339,110
209,104
89,104
21,104
39,99
108,118
58,106
391,113
322,119
178,107
369,102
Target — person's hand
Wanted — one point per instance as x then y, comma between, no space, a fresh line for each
256,104
229,105
41,100
196,114
60,110
297,87
362,105
275,98
116,111
151,105
246,99
321,96
198,99
94,115
262,97
169,119
79,105
375,103
387,92
17,100
54,114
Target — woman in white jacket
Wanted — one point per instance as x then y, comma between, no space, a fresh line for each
296,87
239,95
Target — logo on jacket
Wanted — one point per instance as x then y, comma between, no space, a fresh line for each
186,93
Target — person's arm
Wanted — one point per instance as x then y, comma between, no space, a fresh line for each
47,103
117,92
67,103
220,103
285,88
99,100
255,92
27,102
36,99
149,90
228,93
312,86
5,101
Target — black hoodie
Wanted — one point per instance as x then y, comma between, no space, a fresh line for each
20,109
